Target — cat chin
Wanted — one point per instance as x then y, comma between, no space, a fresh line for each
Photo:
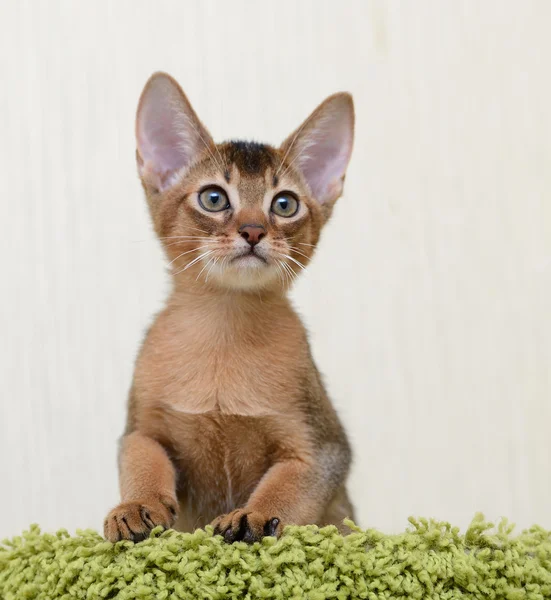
246,276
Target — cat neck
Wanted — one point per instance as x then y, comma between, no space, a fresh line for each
228,315
204,297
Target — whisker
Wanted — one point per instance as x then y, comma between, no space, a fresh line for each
279,271
207,253
220,157
220,166
299,155
303,244
188,252
224,261
294,260
184,237
285,278
204,267
293,143
211,267
286,267
207,241
299,131
290,273
293,249
174,237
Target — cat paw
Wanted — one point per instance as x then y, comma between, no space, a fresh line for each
246,526
134,520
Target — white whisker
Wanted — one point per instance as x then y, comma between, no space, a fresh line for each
177,237
295,261
293,143
279,271
211,267
184,237
188,252
292,274
204,267
179,242
224,261
293,249
207,253
220,166
299,155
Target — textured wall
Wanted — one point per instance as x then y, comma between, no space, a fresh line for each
428,302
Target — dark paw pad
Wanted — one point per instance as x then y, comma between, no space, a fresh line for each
245,526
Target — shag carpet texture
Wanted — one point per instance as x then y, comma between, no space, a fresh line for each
431,560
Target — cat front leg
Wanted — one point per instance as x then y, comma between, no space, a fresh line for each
148,490
292,492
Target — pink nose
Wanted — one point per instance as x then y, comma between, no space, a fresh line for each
252,233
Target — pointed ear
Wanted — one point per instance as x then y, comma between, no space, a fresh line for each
321,147
169,134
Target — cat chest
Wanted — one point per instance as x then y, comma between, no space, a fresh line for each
220,459
231,377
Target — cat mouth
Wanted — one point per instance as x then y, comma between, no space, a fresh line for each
249,257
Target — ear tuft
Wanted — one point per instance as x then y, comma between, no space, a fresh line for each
321,147
169,135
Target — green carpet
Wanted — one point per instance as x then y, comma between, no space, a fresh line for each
431,560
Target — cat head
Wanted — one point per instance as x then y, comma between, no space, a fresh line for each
238,215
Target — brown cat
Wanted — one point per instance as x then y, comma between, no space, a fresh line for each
228,420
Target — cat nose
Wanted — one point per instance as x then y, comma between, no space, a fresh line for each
252,233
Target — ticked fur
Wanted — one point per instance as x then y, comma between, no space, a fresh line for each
228,420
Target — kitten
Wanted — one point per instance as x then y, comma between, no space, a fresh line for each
228,420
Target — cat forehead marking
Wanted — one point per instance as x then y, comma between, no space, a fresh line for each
251,167
251,158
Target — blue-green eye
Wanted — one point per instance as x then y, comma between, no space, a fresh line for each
214,199
285,204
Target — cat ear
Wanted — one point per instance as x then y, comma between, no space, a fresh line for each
321,147
169,134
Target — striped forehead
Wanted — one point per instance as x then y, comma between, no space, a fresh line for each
256,165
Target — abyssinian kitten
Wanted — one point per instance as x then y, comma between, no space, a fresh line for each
228,420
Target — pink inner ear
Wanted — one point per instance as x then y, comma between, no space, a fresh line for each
159,141
165,135
323,145
326,158
324,166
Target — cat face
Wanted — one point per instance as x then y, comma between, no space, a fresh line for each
238,215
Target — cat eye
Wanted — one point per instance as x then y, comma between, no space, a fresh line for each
213,199
285,204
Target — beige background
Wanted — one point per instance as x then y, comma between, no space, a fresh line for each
428,303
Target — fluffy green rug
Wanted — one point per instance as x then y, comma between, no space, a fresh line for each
430,560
